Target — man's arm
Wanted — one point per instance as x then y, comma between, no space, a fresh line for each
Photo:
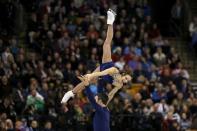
89,93
91,99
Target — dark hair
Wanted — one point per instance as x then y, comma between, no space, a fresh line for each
103,97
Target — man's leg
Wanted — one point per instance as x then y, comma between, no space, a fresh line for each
107,44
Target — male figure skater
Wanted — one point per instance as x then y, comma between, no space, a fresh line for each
101,120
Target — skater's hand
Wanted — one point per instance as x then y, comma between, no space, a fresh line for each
84,80
64,107
88,77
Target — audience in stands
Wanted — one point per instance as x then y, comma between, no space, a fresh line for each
64,40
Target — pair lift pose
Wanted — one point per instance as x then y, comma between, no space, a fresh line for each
106,72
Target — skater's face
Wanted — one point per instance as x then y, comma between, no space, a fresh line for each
126,78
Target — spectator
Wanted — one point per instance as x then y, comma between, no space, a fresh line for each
144,93
177,12
120,64
48,126
9,125
154,32
34,126
193,32
36,100
18,126
185,123
193,126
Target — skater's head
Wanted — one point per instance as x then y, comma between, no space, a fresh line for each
126,78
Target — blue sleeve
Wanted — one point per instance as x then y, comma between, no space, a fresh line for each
100,88
92,100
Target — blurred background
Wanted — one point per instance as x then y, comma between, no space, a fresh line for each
45,44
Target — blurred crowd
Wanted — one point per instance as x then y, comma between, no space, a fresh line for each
63,40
